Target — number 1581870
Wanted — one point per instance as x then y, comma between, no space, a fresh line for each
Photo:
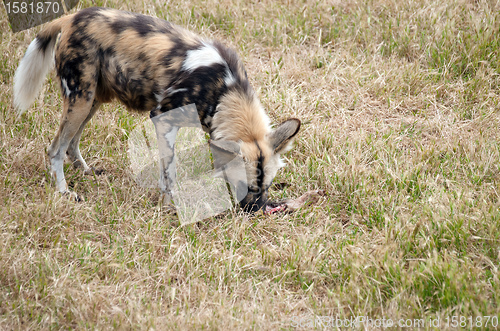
41,7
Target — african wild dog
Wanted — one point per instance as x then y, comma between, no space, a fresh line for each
151,65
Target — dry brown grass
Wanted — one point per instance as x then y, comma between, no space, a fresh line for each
400,109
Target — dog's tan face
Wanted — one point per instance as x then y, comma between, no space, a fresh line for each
261,161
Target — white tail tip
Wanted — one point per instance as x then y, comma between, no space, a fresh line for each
31,73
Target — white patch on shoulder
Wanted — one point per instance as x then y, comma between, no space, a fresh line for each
202,57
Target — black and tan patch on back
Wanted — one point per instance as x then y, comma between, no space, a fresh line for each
135,57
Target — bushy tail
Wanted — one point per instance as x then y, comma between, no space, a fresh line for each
36,63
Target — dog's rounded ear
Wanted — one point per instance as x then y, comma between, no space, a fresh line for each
281,138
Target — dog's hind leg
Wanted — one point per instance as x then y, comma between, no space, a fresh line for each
73,151
75,114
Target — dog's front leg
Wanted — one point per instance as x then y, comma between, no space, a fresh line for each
167,124
166,145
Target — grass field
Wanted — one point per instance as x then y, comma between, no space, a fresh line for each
399,103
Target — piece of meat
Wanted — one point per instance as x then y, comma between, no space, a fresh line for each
290,205
272,210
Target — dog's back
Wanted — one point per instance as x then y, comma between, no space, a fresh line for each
144,61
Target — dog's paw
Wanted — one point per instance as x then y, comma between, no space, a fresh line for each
73,196
170,209
167,203
94,171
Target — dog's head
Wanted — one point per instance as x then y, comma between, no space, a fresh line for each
250,167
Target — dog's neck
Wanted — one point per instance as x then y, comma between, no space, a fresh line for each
239,116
